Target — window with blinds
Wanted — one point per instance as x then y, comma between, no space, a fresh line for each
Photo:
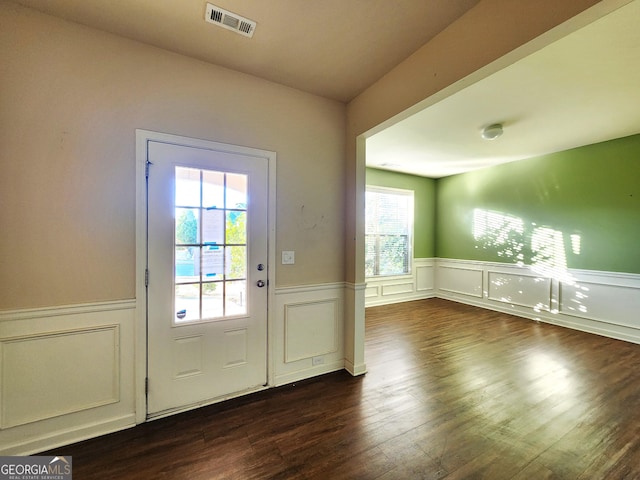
388,232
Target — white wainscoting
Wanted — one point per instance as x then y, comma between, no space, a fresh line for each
402,288
604,303
308,332
67,374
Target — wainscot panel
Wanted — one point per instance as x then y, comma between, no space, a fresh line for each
308,332
45,376
417,285
460,279
397,287
604,303
425,275
524,290
311,329
611,300
67,374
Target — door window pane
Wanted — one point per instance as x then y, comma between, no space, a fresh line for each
212,298
187,226
187,187
187,261
212,261
213,226
236,262
210,245
236,191
187,302
236,227
236,298
213,189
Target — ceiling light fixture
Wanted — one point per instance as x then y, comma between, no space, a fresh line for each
492,131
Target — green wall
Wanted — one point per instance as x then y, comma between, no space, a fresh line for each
424,205
535,206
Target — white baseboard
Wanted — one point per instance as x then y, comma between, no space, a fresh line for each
59,438
355,370
299,375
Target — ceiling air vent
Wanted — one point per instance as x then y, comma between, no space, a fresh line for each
230,21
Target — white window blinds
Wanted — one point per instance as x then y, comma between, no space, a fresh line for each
388,231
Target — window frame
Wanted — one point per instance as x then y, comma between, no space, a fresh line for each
410,227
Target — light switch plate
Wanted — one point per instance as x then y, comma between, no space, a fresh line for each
288,257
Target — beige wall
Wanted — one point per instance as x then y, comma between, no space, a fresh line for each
71,99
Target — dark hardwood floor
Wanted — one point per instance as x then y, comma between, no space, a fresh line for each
452,392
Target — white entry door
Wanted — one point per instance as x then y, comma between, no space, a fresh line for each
207,275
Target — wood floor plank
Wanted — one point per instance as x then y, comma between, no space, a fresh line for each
452,391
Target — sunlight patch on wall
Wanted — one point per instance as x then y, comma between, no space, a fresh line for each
542,247
507,236
501,231
548,253
576,244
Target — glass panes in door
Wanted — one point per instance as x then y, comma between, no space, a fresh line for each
210,245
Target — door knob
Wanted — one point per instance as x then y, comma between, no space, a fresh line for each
260,283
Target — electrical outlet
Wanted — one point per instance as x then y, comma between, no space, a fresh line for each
319,360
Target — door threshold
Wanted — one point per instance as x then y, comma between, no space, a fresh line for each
204,403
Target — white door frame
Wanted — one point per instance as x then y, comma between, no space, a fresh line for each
142,139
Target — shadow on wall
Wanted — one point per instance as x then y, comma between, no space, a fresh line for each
542,247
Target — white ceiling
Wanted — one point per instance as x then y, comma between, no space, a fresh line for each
580,90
